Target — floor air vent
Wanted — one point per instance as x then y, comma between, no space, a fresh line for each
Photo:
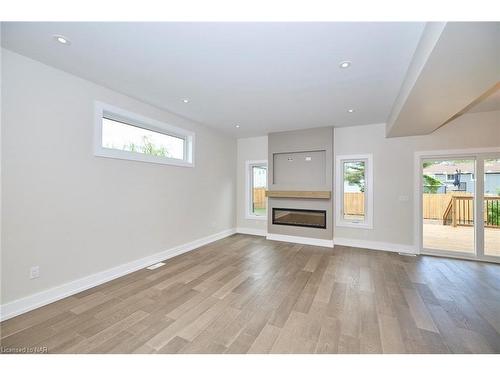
155,266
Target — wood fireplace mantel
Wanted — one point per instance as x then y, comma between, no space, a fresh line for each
298,194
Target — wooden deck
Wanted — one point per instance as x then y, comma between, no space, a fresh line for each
460,238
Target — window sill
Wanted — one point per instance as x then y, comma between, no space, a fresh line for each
255,217
354,225
124,155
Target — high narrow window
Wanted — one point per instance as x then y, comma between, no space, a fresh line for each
124,135
256,187
118,135
354,191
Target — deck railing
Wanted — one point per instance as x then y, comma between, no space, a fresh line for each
460,211
434,205
492,211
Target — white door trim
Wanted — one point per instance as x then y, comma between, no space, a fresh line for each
478,154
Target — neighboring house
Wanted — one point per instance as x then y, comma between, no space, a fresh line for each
259,177
445,173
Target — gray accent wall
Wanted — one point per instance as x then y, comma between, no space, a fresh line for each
301,174
304,168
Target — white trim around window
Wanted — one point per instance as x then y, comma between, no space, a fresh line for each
341,221
106,111
248,188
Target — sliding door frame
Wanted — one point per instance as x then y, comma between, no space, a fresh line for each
478,155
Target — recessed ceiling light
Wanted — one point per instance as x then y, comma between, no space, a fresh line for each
236,126
185,100
350,110
345,64
62,39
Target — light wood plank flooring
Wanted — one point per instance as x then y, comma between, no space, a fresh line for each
244,294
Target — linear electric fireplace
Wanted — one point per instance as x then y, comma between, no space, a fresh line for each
300,218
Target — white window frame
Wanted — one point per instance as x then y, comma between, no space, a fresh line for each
102,110
248,188
367,223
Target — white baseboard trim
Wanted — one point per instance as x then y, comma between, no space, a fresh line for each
25,304
301,240
375,245
252,231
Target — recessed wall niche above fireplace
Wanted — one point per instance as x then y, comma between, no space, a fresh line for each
299,217
304,168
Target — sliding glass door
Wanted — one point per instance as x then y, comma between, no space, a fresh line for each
448,187
455,191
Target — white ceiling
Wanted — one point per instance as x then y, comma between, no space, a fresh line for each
455,64
490,103
263,76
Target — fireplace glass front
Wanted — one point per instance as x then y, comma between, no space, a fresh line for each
299,218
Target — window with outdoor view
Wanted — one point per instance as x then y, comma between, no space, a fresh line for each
125,135
120,136
354,191
257,184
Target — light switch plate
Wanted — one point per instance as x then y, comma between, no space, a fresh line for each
34,272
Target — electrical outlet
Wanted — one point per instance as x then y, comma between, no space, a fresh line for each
34,272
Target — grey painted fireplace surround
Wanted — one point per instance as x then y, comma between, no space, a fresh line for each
301,160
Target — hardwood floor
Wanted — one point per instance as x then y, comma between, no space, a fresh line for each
245,294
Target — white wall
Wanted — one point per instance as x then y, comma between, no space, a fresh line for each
393,160
75,214
1,172
254,148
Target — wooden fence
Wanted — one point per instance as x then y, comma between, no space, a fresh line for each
354,203
434,205
259,197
